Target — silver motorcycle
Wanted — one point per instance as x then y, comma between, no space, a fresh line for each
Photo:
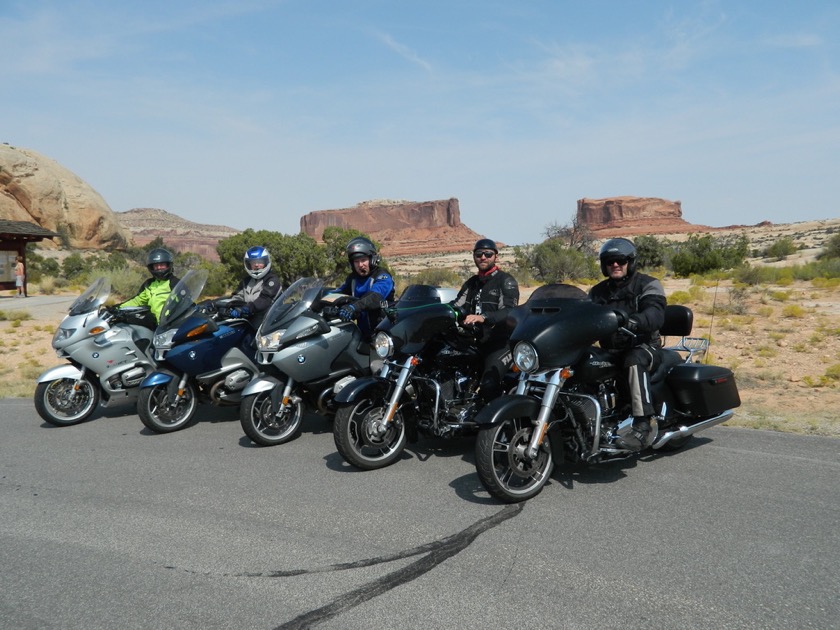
109,353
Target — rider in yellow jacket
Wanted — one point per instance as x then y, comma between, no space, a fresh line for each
155,290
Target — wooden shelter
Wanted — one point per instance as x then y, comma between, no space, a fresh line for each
14,235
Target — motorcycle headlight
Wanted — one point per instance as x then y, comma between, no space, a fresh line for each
271,341
163,341
383,345
62,334
525,357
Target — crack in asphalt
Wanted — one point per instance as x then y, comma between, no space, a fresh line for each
438,552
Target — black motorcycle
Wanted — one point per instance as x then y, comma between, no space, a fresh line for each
571,404
428,383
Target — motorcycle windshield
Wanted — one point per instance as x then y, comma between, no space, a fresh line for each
94,296
298,298
562,329
412,327
183,297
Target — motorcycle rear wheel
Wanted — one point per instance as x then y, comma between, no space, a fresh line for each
60,403
263,426
502,466
359,444
158,413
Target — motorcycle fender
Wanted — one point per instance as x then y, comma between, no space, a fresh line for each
60,371
503,407
262,384
161,377
350,392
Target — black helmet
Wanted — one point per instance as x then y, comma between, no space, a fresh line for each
485,243
360,247
618,248
159,255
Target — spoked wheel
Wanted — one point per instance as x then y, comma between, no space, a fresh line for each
264,427
160,413
363,440
66,401
501,463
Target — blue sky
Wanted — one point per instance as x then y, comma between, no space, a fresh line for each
251,113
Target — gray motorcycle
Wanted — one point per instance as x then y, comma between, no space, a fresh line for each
109,353
308,356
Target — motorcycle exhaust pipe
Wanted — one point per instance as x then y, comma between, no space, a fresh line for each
684,431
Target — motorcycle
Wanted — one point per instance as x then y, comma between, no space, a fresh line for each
570,403
110,353
202,355
427,384
309,358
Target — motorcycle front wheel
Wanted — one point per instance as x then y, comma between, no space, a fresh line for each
161,414
501,463
66,401
264,427
361,439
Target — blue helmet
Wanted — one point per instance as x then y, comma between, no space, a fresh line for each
257,262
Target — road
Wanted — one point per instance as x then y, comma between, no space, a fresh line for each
106,525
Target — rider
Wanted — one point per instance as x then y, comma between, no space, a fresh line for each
485,300
373,286
258,287
639,300
155,290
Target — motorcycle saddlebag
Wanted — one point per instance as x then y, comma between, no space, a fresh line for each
703,390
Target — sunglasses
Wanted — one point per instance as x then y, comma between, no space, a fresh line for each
484,254
616,261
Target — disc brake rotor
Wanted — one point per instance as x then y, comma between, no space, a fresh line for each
371,429
518,464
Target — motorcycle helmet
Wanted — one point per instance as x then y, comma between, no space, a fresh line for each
361,247
156,256
257,256
485,243
618,248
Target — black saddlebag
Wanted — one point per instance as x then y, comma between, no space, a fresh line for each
702,390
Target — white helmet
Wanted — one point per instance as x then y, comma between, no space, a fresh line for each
257,262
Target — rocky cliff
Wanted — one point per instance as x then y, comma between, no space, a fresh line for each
37,189
402,227
629,216
146,224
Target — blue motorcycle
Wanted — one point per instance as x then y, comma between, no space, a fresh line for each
203,356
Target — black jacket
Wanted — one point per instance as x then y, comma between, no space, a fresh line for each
492,295
640,296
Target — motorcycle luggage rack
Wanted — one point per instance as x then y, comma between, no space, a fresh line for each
694,347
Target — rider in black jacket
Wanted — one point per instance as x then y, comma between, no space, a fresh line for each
639,300
485,300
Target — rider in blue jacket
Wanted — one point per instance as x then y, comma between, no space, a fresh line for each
374,287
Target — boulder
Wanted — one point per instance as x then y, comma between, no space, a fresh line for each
38,189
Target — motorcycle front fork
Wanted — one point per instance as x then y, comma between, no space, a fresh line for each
406,370
280,401
552,389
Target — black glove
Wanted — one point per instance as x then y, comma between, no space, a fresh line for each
347,312
240,311
632,324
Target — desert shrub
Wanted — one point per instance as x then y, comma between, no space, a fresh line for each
679,297
438,277
793,310
47,285
780,249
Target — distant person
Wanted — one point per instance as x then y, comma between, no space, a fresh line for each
20,277
640,301
155,290
485,300
373,286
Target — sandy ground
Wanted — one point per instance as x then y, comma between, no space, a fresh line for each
783,343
